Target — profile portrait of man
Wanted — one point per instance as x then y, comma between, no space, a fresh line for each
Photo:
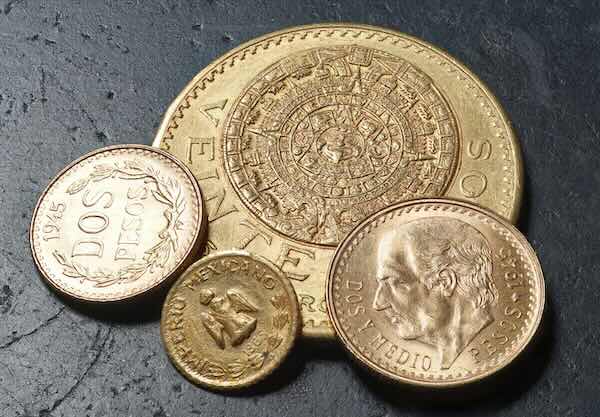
435,283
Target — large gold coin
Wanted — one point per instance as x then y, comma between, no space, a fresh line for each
230,320
117,223
435,292
300,134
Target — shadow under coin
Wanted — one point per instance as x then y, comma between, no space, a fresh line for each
144,308
525,211
304,351
490,394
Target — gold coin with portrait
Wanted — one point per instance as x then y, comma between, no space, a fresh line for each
300,134
230,320
117,223
435,292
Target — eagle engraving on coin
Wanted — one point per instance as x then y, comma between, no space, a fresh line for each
227,316
230,320
327,136
435,285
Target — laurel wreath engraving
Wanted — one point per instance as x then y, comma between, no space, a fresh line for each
253,358
168,192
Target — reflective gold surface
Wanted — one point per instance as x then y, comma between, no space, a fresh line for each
435,292
230,320
116,223
298,135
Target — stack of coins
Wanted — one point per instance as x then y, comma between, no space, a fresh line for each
356,182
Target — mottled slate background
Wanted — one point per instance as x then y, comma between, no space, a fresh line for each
77,75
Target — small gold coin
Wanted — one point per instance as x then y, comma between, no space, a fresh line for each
435,293
230,320
117,223
300,134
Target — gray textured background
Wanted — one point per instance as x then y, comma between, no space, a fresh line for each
77,75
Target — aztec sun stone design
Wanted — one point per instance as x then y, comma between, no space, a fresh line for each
325,137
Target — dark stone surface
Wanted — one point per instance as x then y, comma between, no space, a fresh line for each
77,75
